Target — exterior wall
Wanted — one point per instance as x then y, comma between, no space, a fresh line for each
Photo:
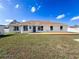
46,28
55,28
1,30
65,28
22,31
6,30
73,30
11,29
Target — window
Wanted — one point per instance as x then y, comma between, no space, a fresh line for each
51,27
61,27
40,28
16,28
29,27
25,28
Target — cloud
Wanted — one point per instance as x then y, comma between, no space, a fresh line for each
7,21
23,20
33,9
75,18
1,6
38,7
17,6
60,16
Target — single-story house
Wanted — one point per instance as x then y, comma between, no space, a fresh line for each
73,29
6,29
2,29
38,26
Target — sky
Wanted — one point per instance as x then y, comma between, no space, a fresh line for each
64,11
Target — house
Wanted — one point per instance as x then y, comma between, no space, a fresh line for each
14,22
38,26
2,29
6,29
73,29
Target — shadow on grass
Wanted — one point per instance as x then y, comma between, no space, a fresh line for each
7,35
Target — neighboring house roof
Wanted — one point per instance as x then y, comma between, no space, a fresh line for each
2,25
73,27
38,23
14,22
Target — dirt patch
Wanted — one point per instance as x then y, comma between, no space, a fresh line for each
76,40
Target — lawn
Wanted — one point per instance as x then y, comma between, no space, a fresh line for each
36,46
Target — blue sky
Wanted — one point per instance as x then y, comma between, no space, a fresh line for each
65,11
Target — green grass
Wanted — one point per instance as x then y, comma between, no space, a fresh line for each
27,46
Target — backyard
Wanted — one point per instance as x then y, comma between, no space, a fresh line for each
36,46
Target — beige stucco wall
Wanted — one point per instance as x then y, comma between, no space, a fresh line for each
46,28
56,28
11,29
